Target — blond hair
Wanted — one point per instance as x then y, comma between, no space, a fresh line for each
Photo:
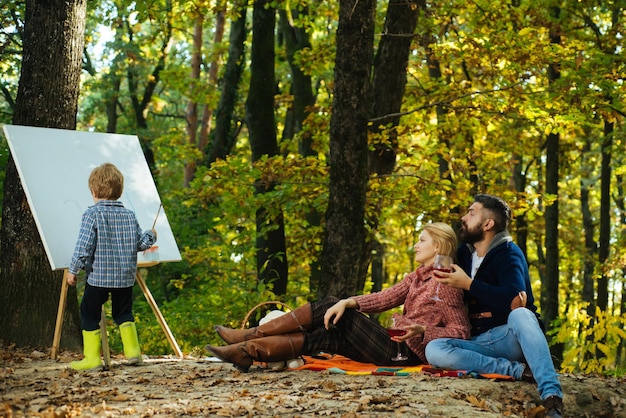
443,237
106,182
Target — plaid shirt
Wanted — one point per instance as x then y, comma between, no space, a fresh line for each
107,246
445,319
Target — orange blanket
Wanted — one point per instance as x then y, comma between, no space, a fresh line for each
344,365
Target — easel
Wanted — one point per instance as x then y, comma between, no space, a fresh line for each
105,340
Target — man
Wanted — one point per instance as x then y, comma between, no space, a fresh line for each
507,335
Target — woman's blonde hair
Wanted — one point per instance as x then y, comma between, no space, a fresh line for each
106,182
443,237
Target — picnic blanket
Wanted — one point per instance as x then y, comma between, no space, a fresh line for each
343,365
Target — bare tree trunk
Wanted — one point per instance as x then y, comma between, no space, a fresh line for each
47,97
296,39
199,128
344,235
521,222
226,124
270,239
591,249
388,86
605,215
550,284
619,199
141,100
192,104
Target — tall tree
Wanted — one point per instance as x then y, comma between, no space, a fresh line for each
227,125
605,215
388,85
344,236
297,39
550,284
270,241
199,122
47,97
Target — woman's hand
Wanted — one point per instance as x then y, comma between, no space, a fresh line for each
411,331
335,312
457,278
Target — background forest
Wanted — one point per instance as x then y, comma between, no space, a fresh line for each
522,99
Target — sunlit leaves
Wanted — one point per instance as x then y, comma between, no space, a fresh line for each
586,336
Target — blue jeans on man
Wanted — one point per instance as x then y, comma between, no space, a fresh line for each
502,350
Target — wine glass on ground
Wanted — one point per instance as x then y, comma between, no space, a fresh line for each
396,332
442,263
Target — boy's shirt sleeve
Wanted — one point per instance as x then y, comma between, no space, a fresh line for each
146,239
85,244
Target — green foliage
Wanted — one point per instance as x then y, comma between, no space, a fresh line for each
485,115
591,341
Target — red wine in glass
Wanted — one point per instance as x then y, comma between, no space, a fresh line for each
397,332
442,263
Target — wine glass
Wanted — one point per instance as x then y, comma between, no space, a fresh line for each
396,332
442,263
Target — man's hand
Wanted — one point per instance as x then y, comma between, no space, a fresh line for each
457,278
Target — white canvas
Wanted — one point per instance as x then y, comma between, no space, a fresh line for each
54,166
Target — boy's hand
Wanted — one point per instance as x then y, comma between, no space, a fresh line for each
71,279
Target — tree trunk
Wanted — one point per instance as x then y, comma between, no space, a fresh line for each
521,221
226,125
47,97
605,216
140,105
591,248
199,127
388,86
296,39
114,80
270,238
344,235
550,284
619,180
192,105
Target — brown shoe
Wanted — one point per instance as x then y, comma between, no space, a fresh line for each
554,407
527,375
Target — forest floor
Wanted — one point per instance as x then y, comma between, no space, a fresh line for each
33,385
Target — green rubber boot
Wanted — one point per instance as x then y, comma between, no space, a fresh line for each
132,351
91,350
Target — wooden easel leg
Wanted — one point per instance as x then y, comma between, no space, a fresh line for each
159,316
105,340
60,313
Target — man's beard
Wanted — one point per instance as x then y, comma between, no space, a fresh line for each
471,237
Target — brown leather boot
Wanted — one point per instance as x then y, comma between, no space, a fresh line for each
273,348
296,320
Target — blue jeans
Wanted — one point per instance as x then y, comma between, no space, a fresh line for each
502,350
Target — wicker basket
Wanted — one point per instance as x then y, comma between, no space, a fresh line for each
253,311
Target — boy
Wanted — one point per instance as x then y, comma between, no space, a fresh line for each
106,249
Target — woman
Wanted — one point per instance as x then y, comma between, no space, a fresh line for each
339,327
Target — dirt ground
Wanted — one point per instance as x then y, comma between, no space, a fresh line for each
33,385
